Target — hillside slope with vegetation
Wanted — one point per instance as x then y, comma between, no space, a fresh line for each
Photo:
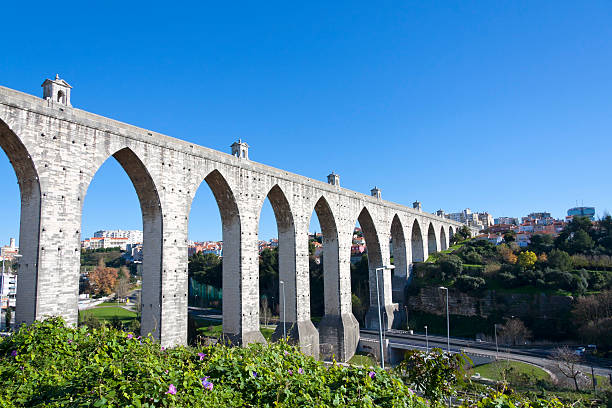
577,265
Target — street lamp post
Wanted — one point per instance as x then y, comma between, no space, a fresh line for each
380,329
284,312
447,321
426,340
496,346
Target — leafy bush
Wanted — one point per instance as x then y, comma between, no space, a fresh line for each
51,365
500,400
560,260
597,280
472,257
434,373
565,280
468,283
508,279
450,265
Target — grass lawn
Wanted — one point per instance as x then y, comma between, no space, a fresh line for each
108,304
214,328
108,313
494,371
210,328
362,361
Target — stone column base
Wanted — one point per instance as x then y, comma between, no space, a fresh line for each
338,337
387,316
243,339
302,334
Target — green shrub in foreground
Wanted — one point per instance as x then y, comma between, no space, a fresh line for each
51,365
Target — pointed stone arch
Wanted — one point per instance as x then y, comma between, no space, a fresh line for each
432,242
29,224
331,270
299,330
153,231
339,329
451,232
400,260
371,237
417,244
443,241
231,262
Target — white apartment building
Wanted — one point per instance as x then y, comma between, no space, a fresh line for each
133,236
481,220
105,242
8,280
8,290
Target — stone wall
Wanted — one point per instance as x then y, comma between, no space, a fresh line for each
533,309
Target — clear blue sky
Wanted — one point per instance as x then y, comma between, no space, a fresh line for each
501,106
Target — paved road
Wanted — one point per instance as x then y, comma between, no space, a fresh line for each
537,355
533,355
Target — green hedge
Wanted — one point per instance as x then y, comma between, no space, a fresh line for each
48,364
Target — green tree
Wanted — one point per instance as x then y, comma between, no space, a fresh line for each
268,276
527,259
604,236
461,234
206,269
360,286
560,259
576,236
541,243
581,242
509,236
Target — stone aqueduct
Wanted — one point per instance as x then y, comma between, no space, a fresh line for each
56,150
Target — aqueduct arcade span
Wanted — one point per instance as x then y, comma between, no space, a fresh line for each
56,150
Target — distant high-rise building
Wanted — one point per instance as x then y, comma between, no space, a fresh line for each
581,212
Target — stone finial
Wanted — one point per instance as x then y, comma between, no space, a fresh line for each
375,192
440,213
417,205
240,149
333,179
57,91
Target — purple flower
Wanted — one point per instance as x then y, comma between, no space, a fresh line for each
201,355
290,372
171,389
300,370
139,337
166,372
254,374
372,374
14,353
69,341
207,384
129,336
286,352
163,348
